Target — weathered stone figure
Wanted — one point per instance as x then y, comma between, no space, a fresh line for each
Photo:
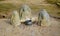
43,18
25,14
15,20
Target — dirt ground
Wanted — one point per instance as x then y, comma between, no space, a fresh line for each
6,29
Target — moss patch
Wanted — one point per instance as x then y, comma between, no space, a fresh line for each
5,7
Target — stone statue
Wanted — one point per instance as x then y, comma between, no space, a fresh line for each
25,14
43,18
15,20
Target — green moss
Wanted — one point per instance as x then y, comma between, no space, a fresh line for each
58,0
2,0
53,1
4,7
51,9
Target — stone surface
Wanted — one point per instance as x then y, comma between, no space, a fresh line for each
43,18
15,20
25,12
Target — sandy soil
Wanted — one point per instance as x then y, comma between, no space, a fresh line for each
6,29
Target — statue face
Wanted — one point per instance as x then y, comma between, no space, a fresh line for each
43,17
15,20
26,8
44,14
25,12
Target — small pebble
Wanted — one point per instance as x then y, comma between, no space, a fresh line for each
28,22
